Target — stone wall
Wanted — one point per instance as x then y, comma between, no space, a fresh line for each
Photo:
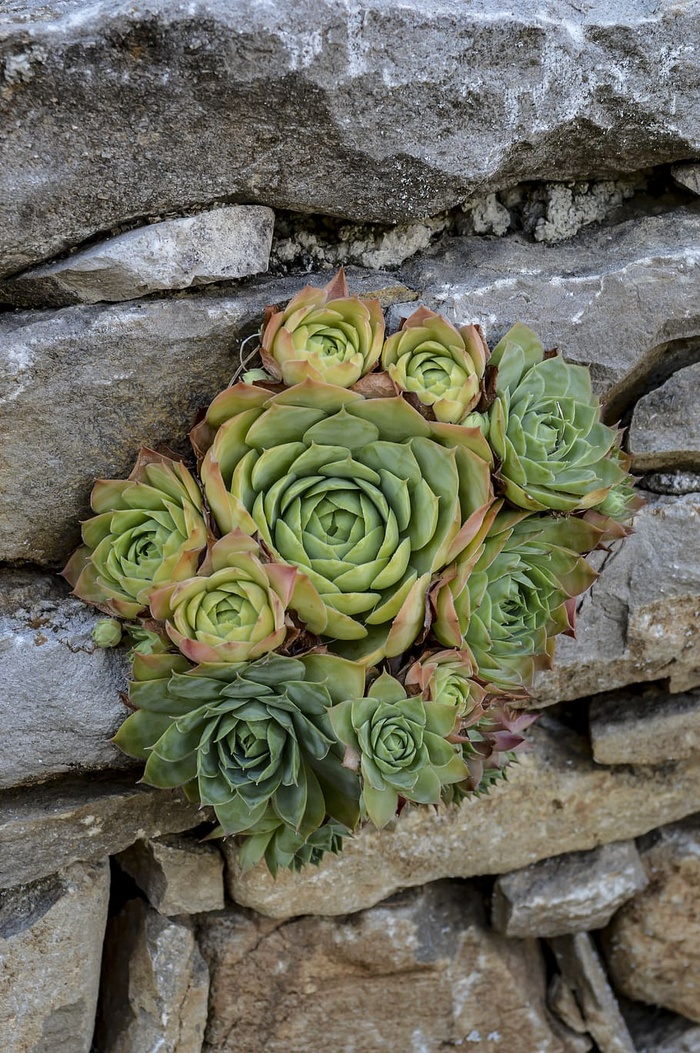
168,170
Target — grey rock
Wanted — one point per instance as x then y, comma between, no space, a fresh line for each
687,175
47,827
178,875
646,728
51,935
576,892
420,972
582,970
620,299
60,702
652,944
115,111
673,482
641,619
556,800
655,1030
213,246
155,985
665,429
85,387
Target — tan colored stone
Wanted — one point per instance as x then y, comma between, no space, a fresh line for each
51,935
419,973
653,943
665,429
555,800
178,874
645,728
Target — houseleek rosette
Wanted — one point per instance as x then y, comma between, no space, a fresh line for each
363,495
252,740
509,593
544,426
448,677
400,747
323,334
283,848
234,610
149,530
441,365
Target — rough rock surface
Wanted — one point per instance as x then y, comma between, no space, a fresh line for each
655,1030
177,874
641,619
576,892
60,703
125,375
46,827
688,176
665,429
673,482
620,299
154,985
313,106
581,968
556,800
51,935
213,246
646,728
421,972
653,942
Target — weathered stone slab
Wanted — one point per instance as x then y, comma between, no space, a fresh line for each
60,701
582,970
687,175
213,246
576,892
50,947
178,874
556,800
112,111
154,985
641,619
646,728
421,972
47,827
616,299
665,428
85,387
653,943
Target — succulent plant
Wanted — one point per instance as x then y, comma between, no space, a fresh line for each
149,530
107,632
323,334
250,739
489,746
448,677
234,610
363,495
553,451
441,365
400,746
508,594
283,848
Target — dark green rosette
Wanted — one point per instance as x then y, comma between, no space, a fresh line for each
400,747
283,848
252,740
544,426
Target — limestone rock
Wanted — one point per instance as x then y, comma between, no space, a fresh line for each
665,428
655,1030
60,703
582,970
46,827
213,246
556,800
50,947
638,280
673,482
85,387
644,728
114,111
687,175
421,972
641,619
154,985
653,942
178,875
570,893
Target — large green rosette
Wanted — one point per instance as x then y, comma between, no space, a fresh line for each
553,451
364,496
252,740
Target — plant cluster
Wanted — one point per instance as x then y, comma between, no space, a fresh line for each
333,617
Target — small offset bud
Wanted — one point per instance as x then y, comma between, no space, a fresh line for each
253,375
107,632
